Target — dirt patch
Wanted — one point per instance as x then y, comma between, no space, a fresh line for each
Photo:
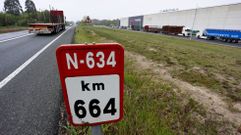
152,49
200,70
239,86
237,106
213,102
93,33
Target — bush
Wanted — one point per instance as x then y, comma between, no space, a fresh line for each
24,19
7,19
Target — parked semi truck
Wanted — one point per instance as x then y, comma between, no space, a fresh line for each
172,30
226,35
56,24
152,28
179,30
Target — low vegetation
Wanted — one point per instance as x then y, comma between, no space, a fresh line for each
150,105
9,20
13,18
11,29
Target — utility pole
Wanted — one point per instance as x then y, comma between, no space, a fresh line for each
194,20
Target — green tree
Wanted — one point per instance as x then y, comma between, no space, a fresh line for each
30,6
106,22
12,7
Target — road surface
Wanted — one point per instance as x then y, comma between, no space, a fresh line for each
13,35
30,91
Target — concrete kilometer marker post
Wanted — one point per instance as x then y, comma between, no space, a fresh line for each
92,78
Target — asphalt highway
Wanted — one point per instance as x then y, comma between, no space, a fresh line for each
13,35
30,91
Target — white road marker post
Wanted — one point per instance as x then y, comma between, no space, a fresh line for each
96,130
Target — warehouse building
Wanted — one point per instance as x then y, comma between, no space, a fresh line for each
136,22
124,22
218,17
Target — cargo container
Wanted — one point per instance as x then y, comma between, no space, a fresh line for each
136,23
152,28
56,24
174,30
226,35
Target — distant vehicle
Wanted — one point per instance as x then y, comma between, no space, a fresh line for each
179,30
123,27
135,27
152,28
187,32
56,24
226,35
172,30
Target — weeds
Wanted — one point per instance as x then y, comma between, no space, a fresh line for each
151,107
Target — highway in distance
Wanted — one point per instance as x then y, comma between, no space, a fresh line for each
30,91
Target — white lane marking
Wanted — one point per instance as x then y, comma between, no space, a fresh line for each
5,40
26,63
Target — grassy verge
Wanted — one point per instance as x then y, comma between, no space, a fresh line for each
150,105
11,29
202,64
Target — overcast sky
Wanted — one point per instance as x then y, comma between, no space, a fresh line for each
111,9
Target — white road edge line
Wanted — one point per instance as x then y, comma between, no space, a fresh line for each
26,63
5,40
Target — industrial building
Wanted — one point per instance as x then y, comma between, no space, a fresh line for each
136,22
218,17
124,22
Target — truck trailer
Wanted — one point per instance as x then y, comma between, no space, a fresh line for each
56,24
179,30
226,35
172,30
152,28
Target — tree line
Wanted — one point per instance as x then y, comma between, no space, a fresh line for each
106,22
14,15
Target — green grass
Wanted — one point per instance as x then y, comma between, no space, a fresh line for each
151,107
4,29
219,66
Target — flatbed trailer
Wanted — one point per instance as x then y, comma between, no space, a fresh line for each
55,25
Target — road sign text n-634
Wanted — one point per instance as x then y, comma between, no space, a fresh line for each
92,78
